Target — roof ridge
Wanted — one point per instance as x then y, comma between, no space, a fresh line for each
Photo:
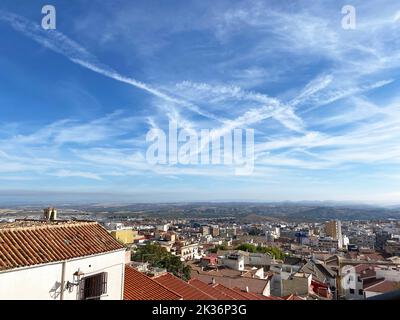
162,275
47,225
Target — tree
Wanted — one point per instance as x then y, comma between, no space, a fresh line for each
247,247
218,247
158,256
273,251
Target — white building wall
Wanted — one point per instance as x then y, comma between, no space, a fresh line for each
35,283
235,264
113,263
43,282
258,259
352,286
369,294
389,274
298,285
267,290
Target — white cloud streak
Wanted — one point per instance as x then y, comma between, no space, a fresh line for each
60,43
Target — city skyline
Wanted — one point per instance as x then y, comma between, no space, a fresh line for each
78,101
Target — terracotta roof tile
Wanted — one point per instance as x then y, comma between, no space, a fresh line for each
371,281
384,286
293,297
187,291
138,286
253,284
255,296
272,298
363,267
37,242
216,294
229,292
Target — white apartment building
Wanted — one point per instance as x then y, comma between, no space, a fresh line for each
187,251
163,227
233,261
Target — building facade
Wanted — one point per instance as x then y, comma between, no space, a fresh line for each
60,261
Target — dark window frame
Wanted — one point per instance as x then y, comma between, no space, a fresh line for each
93,287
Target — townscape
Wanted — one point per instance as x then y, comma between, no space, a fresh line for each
64,254
226,151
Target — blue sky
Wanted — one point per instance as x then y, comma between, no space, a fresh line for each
76,103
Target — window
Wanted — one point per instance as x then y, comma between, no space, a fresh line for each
92,287
349,279
351,291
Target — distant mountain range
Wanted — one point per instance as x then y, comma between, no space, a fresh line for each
290,211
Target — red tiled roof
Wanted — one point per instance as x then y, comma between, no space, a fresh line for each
359,268
368,273
272,298
216,294
253,284
293,297
373,256
138,286
371,281
384,286
27,243
248,295
365,271
187,291
255,296
229,292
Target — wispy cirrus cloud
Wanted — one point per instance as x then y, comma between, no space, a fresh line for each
79,174
60,43
322,100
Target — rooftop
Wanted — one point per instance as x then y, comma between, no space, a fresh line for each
138,286
361,268
187,291
254,285
32,242
250,295
230,292
38,223
384,286
218,295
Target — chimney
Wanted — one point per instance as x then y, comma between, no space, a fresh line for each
50,214
247,289
213,280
